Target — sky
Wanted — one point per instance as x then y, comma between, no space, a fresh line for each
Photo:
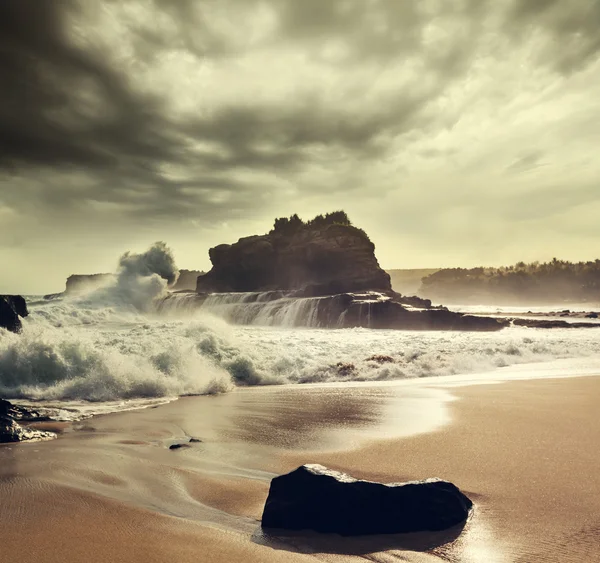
455,132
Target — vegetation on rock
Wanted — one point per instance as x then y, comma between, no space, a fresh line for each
287,226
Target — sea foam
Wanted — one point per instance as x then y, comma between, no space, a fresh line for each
115,343
75,351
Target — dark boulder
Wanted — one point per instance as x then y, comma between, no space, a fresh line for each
315,498
12,431
11,308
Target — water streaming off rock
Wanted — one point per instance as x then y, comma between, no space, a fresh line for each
274,308
97,348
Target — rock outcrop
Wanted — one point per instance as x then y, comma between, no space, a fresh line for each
11,308
541,323
344,310
382,312
315,498
323,260
12,431
78,283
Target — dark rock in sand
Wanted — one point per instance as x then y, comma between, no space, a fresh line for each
591,316
327,260
11,308
11,431
315,498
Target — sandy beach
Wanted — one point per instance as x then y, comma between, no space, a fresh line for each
110,489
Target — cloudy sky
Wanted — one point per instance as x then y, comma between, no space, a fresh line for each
456,132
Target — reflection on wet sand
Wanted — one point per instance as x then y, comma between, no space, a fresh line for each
222,480
502,442
312,542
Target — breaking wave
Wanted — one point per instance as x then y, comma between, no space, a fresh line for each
113,344
66,353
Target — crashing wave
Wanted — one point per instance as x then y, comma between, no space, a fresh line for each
111,344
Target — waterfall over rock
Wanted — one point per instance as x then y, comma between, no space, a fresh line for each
345,310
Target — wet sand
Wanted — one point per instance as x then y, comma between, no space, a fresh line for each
109,488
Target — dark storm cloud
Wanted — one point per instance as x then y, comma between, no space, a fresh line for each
571,27
68,110
64,107
60,104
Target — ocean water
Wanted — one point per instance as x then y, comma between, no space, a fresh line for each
115,346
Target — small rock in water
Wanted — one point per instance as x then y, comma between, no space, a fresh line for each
316,498
345,369
380,359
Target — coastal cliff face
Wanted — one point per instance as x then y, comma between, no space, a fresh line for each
11,308
313,261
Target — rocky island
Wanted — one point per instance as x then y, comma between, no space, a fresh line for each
320,273
325,256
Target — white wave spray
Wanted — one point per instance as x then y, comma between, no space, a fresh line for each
111,344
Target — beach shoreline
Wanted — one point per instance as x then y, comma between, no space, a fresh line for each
519,449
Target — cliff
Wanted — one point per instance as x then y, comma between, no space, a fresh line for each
311,259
